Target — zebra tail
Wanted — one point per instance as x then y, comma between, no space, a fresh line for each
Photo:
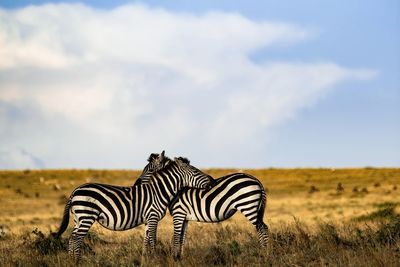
65,220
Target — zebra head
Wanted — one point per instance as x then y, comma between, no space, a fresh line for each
193,177
156,162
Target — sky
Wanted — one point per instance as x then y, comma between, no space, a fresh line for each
241,84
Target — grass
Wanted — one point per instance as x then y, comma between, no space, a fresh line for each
312,223
385,210
292,244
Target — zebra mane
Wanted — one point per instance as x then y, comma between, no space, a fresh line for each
152,156
167,164
167,161
184,160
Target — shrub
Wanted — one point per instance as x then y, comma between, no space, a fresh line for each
46,244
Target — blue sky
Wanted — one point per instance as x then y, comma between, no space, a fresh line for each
225,83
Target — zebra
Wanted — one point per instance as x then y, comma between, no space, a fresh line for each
238,191
121,208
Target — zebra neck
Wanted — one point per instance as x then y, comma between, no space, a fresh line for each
165,190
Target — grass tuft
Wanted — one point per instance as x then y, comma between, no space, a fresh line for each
234,248
215,255
43,244
389,233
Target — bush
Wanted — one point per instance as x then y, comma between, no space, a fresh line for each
46,244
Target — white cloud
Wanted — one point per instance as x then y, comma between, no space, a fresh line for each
19,159
85,87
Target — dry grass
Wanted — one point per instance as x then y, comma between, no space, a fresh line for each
349,227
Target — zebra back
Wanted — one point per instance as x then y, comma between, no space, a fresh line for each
227,194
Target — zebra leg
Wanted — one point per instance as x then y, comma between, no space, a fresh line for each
183,233
146,240
263,236
182,238
255,216
78,234
71,244
153,234
150,237
262,228
179,236
74,247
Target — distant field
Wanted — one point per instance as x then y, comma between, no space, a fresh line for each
306,210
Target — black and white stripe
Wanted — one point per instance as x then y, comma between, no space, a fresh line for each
121,208
156,163
230,193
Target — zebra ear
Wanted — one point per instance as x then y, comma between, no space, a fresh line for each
161,158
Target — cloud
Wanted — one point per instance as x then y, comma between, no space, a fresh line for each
19,159
84,87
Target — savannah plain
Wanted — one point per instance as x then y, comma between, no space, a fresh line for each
313,221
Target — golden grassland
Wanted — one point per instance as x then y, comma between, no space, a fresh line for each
312,221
